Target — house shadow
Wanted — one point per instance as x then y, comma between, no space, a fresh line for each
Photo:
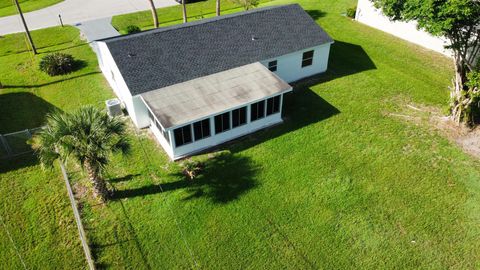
303,106
345,59
224,178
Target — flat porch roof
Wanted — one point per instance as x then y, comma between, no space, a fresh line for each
192,100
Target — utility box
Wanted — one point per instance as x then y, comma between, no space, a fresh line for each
114,107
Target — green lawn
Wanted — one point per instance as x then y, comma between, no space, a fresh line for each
33,203
341,184
29,94
8,8
173,15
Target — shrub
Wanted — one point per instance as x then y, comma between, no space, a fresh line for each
192,169
132,29
351,12
57,64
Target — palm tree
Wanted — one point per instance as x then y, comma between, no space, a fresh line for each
184,10
154,13
217,8
89,136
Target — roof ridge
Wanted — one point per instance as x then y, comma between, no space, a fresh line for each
197,22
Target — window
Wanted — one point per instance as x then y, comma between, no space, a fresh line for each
222,122
272,65
163,131
239,117
183,135
273,105
257,110
307,59
201,129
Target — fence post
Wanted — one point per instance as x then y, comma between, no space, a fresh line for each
81,231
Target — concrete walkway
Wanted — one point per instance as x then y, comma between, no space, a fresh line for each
75,11
97,29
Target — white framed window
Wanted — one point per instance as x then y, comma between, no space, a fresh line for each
307,59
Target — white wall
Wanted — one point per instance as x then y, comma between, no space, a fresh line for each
165,145
135,107
289,66
369,15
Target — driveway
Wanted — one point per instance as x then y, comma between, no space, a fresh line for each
75,11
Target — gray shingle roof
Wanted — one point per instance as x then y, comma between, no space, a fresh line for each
158,58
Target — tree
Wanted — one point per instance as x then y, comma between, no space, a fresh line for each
184,11
247,4
89,136
459,22
217,7
154,13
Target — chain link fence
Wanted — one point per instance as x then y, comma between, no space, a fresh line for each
15,143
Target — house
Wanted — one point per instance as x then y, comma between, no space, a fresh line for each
371,16
202,83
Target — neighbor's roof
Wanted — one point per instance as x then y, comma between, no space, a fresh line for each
166,56
198,98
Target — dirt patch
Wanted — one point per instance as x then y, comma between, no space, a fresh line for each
466,138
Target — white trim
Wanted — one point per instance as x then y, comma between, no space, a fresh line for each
199,150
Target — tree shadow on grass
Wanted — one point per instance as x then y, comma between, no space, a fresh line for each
20,162
316,14
60,49
18,112
225,178
22,110
123,178
80,63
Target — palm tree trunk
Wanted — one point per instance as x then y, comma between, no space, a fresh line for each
154,14
100,189
459,100
184,10
218,7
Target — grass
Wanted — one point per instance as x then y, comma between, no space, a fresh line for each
34,203
341,184
170,15
36,211
8,8
29,94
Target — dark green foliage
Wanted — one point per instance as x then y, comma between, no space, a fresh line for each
57,64
191,169
351,12
88,135
132,29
